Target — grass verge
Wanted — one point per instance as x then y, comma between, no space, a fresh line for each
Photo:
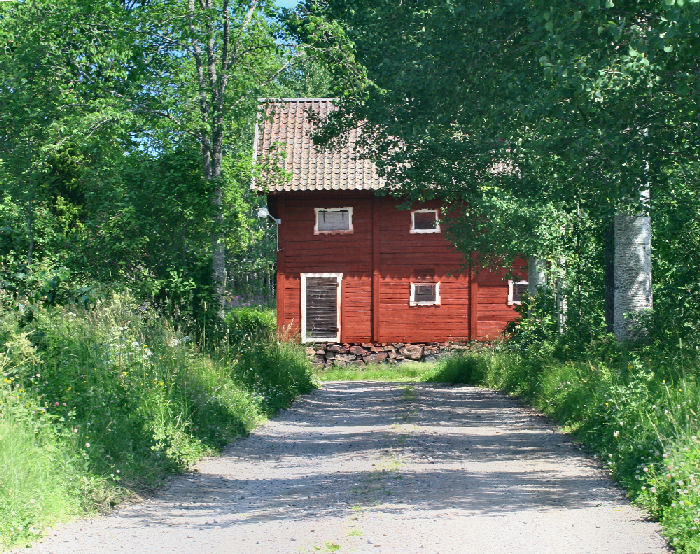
637,411
407,371
99,405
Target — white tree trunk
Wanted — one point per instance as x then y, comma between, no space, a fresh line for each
535,275
632,270
561,302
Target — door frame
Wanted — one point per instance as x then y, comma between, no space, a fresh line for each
304,276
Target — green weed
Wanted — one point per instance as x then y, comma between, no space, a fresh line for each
638,411
100,404
408,371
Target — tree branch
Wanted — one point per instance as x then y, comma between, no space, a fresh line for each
268,81
244,28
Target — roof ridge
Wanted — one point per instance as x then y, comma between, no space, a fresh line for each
298,99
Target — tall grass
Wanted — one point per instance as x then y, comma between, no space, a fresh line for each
639,412
100,404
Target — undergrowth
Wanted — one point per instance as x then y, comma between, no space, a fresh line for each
636,410
100,404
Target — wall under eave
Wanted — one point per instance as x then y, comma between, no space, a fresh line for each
378,261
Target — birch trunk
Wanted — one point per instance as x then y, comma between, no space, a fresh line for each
535,276
609,261
561,304
632,270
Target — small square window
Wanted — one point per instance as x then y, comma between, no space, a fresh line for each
333,220
425,221
516,291
425,294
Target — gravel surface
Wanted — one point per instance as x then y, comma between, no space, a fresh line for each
384,467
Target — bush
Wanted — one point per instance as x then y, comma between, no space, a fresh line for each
251,324
637,410
101,403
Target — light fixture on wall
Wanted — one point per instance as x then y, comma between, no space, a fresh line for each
264,213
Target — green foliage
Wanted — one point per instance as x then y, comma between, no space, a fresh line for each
551,118
251,323
101,403
636,410
277,372
406,371
32,453
101,162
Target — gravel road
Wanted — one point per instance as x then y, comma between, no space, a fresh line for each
384,467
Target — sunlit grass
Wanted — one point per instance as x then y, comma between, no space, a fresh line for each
639,412
99,404
408,371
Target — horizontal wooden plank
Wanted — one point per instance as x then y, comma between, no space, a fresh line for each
404,256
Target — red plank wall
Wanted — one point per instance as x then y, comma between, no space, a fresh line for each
379,260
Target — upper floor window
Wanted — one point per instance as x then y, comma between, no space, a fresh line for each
516,291
425,221
333,220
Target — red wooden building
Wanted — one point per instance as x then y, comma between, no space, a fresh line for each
352,266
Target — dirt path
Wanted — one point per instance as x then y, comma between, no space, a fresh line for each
380,467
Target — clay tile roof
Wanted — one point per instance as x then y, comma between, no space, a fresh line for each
285,128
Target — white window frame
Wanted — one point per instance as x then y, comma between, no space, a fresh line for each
348,230
414,302
413,222
511,290
304,276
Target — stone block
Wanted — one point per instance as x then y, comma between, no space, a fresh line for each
357,350
412,352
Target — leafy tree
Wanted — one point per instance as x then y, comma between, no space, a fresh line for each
541,120
61,94
101,126
221,56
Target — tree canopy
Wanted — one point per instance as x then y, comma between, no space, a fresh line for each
126,147
541,120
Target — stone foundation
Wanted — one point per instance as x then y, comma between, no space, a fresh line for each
333,354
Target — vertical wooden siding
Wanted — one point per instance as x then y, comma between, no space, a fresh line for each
378,261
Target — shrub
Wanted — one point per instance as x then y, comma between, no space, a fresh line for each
252,324
103,402
637,410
